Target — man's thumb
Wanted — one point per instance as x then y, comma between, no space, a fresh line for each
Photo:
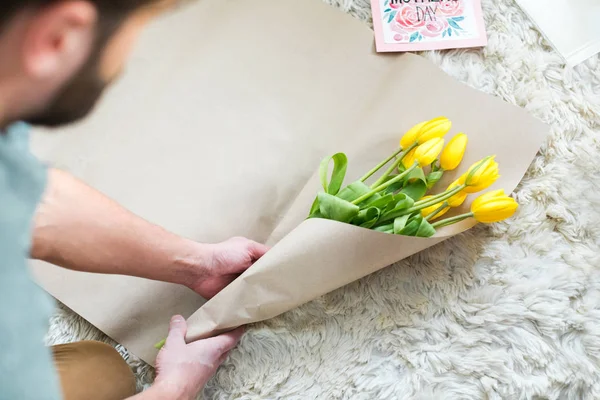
177,330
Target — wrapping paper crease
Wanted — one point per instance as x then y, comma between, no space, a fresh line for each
243,122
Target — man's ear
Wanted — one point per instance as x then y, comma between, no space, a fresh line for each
59,39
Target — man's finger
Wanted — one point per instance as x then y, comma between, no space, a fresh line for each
224,343
257,250
177,331
223,357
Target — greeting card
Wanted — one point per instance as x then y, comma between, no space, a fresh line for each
412,25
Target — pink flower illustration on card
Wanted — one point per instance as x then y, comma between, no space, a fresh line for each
408,19
450,8
415,21
413,25
435,28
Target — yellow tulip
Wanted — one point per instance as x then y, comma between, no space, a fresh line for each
409,159
410,137
431,209
481,175
436,128
458,198
428,151
454,152
493,207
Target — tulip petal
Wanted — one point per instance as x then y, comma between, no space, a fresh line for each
493,206
410,136
429,151
436,128
454,152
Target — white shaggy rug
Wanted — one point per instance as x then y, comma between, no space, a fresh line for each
510,311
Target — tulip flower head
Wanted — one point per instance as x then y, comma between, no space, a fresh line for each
453,153
493,206
481,175
431,209
434,129
457,199
425,131
410,137
409,159
426,153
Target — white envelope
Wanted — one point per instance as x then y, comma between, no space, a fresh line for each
571,26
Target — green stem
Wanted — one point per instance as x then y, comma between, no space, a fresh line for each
437,198
437,211
451,220
379,188
419,205
395,165
160,344
378,166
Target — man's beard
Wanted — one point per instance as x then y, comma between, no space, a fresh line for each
80,94
76,99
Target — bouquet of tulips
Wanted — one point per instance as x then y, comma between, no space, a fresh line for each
398,201
398,204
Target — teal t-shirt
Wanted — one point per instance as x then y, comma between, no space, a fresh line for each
26,370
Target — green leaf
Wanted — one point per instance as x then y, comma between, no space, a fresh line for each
340,164
415,175
388,228
400,223
314,208
408,229
416,184
316,214
394,187
367,218
425,229
413,225
353,191
392,15
413,37
337,209
453,24
433,178
381,202
402,203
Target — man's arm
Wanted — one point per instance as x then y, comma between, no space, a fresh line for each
79,228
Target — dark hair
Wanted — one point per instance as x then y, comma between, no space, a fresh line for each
111,11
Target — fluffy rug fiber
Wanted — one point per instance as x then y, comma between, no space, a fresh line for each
510,311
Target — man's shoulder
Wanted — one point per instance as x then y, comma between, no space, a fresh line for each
22,176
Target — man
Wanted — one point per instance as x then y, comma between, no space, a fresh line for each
56,58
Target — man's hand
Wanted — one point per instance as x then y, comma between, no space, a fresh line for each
223,263
183,369
79,228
